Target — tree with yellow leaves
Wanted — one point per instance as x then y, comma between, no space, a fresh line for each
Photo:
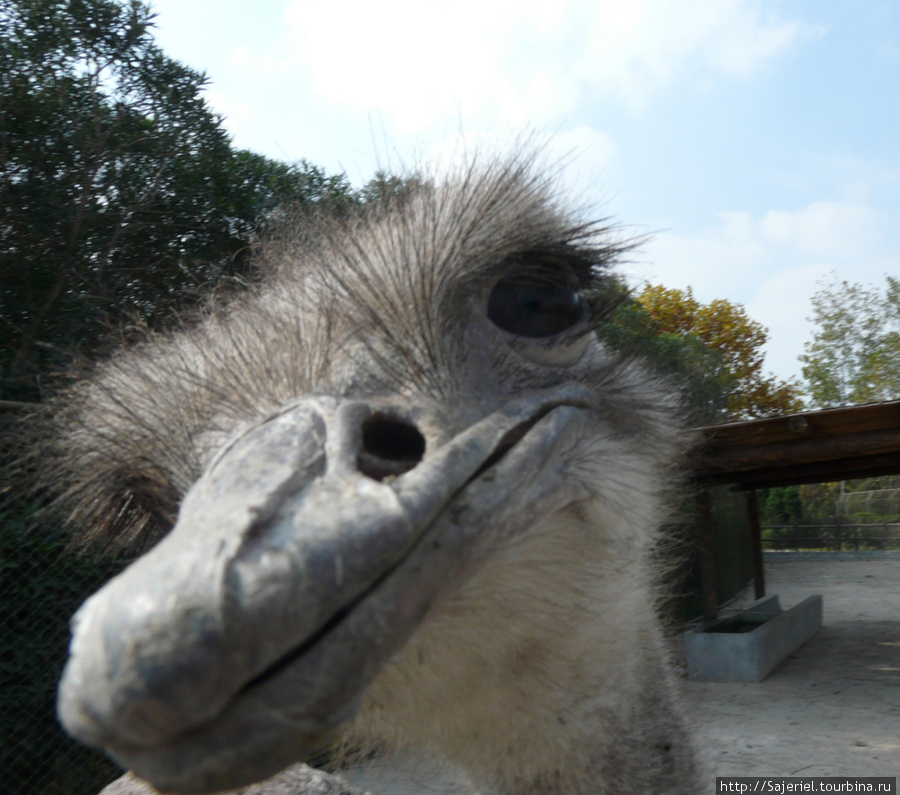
715,350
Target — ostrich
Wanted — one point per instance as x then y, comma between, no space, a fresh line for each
402,505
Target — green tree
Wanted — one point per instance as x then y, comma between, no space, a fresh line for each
385,188
120,191
854,356
120,194
714,350
698,369
819,499
728,329
782,505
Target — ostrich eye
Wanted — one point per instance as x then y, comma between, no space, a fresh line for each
535,305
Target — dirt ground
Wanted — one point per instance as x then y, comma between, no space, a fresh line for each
833,707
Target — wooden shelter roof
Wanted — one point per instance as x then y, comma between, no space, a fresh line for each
810,447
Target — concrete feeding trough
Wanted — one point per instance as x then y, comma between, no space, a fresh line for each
747,646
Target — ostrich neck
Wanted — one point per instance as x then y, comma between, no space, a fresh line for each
500,699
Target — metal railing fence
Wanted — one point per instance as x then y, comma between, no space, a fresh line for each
837,536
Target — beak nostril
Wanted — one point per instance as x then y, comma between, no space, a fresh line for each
389,447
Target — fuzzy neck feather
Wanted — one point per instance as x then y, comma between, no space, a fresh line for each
494,698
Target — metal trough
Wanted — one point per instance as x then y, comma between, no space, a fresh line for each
747,646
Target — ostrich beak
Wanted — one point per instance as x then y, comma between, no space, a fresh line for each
245,639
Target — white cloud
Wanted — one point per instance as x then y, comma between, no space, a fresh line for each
242,57
415,61
519,61
828,229
637,47
740,43
782,304
588,147
584,153
771,265
720,261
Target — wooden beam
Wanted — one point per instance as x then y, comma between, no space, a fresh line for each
827,422
798,474
812,447
718,457
707,543
759,581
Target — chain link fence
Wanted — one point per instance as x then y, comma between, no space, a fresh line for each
43,580
883,502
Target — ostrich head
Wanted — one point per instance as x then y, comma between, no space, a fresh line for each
405,501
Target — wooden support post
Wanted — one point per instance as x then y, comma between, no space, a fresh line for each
706,542
759,580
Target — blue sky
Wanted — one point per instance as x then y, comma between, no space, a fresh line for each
758,140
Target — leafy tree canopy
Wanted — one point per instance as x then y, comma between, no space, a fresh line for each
120,191
714,350
697,368
854,356
781,505
726,328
